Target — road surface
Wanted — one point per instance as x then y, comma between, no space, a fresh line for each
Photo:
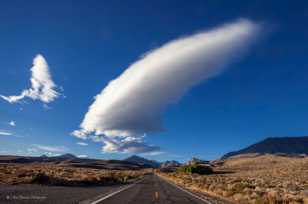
43,194
149,190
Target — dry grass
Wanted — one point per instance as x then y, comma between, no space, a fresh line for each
255,179
62,175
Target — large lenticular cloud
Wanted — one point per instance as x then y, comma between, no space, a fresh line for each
131,105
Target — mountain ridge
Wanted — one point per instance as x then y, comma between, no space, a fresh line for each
142,161
275,145
73,161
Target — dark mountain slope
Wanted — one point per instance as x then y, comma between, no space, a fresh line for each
142,161
275,145
172,163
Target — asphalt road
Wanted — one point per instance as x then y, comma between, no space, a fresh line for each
150,190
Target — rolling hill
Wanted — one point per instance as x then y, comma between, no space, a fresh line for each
73,161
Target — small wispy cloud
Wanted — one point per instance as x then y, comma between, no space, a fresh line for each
153,153
3,151
51,148
82,143
51,154
82,156
32,150
5,133
43,88
12,123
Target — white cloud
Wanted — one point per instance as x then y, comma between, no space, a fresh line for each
118,144
51,148
5,133
82,156
12,123
43,88
82,143
52,154
153,153
133,103
32,150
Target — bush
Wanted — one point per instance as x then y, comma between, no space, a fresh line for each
40,178
196,169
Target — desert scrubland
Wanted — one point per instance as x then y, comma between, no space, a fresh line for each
50,174
254,179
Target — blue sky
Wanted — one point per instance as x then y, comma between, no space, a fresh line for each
89,43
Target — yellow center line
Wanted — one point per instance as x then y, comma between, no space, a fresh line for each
156,195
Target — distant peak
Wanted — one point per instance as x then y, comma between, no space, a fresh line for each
143,161
68,156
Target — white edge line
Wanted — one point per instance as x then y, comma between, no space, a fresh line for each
186,191
114,193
